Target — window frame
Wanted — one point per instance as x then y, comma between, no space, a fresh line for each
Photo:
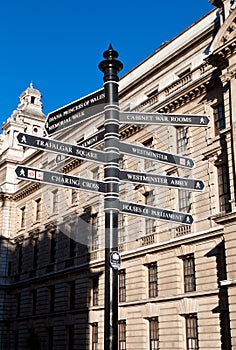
189,273
154,343
152,280
191,329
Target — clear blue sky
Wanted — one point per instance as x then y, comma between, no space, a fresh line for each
58,44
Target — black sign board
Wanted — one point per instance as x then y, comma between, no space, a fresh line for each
159,118
93,139
90,141
50,145
59,179
75,112
161,180
164,157
155,213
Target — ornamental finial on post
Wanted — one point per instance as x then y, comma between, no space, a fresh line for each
110,66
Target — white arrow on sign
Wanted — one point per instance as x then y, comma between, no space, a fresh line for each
160,118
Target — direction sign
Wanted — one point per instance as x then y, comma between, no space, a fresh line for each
160,118
90,141
93,139
161,180
50,145
145,152
75,112
155,213
59,179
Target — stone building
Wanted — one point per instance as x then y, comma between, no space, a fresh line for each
177,282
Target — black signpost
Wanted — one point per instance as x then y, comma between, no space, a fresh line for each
111,67
82,110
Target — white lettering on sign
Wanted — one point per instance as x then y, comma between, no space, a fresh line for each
90,185
75,108
65,180
147,178
54,146
149,153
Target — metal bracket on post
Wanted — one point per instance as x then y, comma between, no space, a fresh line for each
111,67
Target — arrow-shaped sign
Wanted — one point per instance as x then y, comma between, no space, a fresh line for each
161,180
145,152
76,112
59,179
155,213
50,145
160,118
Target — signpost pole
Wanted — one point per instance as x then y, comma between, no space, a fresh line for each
111,67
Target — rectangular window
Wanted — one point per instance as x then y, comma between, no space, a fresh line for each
16,339
219,118
149,144
70,337
51,298
72,246
34,301
18,304
189,273
71,286
54,201
122,285
182,139
184,200
20,257
95,173
94,231
95,291
52,246
224,192
35,253
152,280
191,332
122,334
22,222
50,338
154,333
95,336
74,194
121,228
38,208
149,223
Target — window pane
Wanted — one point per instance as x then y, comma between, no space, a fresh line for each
191,332
152,275
154,333
182,140
122,335
122,286
189,273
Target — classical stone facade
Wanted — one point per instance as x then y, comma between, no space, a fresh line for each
177,283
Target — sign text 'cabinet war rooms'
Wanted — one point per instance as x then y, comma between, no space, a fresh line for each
107,102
